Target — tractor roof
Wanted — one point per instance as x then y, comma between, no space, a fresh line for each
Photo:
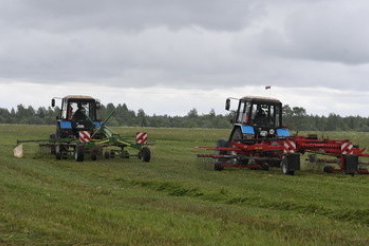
261,99
79,97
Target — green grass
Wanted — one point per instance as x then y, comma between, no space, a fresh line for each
172,200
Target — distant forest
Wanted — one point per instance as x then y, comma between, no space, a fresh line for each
296,118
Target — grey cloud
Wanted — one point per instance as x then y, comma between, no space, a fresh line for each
123,14
326,31
182,44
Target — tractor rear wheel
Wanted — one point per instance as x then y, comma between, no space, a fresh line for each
221,143
237,137
79,153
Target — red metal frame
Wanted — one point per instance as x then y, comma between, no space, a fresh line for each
274,149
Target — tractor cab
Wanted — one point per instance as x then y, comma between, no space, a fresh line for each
77,113
257,117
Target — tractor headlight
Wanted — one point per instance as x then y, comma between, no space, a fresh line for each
271,131
263,133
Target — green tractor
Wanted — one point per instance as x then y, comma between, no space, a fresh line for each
79,133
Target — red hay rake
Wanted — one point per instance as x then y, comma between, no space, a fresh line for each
259,140
285,153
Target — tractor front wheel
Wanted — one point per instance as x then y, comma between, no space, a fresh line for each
79,153
144,154
237,135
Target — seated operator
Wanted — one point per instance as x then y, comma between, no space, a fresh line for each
260,117
80,113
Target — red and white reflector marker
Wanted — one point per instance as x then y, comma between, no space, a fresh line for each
289,146
141,137
346,148
84,136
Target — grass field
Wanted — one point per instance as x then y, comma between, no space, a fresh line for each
171,200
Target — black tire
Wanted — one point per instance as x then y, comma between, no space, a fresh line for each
328,169
93,156
237,135
107,155
284,167
313,158
57,151
221,143
125,154
145,154
264,166
218,166
58,155
79,153
64,154
52,147
112,154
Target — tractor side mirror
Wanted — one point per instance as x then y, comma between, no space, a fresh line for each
53,102
228,104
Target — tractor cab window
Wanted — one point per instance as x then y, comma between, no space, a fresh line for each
77,110
64,112
263,115
243,116
278,113
258,115
274,115
266,115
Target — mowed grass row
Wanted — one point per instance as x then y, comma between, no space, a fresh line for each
172,200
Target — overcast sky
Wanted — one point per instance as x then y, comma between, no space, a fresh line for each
169,56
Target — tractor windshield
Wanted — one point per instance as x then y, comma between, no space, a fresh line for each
265,115
77,110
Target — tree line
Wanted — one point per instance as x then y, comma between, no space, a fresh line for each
296,118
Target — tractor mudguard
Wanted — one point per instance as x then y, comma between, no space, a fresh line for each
98,124
283,132
65,124
247,129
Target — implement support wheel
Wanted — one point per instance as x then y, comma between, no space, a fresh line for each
144,154
79,153
290,163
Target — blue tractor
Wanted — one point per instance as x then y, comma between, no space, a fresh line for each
256,119
77,113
